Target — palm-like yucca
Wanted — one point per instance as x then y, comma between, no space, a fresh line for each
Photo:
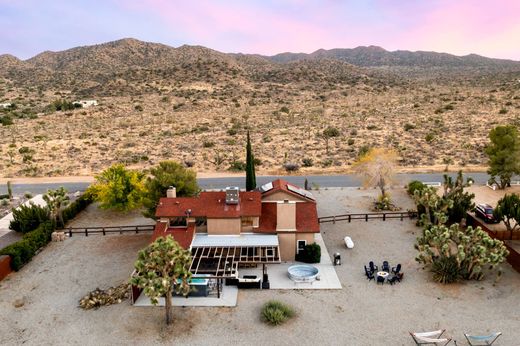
56,200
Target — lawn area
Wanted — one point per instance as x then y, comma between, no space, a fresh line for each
362,313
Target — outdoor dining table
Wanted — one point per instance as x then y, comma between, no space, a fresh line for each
383,274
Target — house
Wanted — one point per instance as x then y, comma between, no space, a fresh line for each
227,229
6,105
86,103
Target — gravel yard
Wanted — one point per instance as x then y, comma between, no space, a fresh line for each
362,313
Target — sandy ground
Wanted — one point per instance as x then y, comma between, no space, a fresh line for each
362,313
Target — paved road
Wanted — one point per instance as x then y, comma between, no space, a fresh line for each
220,183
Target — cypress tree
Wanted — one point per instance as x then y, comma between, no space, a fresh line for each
250,166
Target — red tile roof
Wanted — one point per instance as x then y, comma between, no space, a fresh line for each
183,236
281,185
306,218
211,204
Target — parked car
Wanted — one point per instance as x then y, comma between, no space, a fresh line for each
485,212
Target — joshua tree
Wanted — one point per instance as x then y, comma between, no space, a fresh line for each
328,133
56,200
162,268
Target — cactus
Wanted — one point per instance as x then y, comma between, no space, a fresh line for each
472,248
9,190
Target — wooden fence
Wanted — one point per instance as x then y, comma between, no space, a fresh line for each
370,216
106,230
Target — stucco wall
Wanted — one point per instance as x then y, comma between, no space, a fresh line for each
224,226
287,246
286,216
281,196
309,237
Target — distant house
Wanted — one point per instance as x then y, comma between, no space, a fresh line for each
86,103
6,105
271,224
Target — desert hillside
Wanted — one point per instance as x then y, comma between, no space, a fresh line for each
195,105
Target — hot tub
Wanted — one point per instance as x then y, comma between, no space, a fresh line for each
303,273
198,287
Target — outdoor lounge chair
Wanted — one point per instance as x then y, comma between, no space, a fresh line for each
482,340
430,338
373,268
393,279
385,267
396,269
369,274
381,280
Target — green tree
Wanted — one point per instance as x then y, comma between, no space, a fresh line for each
472,249
168,173
508,211
250,166
118,188
162,268
504,155
56,200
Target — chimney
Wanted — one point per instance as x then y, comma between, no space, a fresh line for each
171,192
232,195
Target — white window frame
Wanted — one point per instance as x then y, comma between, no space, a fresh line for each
298,243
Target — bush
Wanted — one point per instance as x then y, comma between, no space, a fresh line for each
311,254
291,167
237,166
275,312
307,162
445,270
23,251
413,186
76,207
28,217
408,127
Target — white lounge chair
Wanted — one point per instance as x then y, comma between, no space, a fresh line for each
482,340
430,338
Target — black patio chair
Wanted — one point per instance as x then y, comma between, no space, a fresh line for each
393,280
396,269
373,268
381,279
385,267
369,274
399,276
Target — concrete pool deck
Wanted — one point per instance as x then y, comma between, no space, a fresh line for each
279,278
228,297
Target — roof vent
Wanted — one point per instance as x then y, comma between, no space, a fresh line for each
232,195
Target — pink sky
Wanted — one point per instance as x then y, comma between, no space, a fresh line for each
490,28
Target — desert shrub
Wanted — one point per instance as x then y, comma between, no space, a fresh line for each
446,271
6,120
307,162
429,137
275,312
28,217
138,108
502,111
237,166
208,144
284,109
232,131
291,167
408,127
350,141
310,254
414,186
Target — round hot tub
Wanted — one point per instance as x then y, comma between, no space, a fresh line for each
303,273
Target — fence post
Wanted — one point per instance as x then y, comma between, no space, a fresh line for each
401,216
349,217
104,231
334,219
70,232
136,229
86,232
366,217
384,217
120,230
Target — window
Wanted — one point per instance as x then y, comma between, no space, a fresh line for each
301,245
269,252
178,222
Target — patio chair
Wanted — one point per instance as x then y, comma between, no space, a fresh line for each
482,340
381,280
373,268
385,267
369,274
399,276
396,269
430,338
393,279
